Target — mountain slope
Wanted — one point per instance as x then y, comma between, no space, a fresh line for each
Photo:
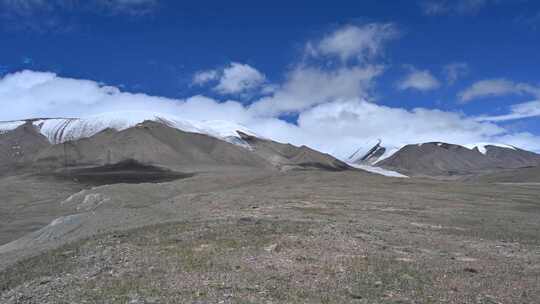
150,143
287,156
442,159
509,156
59,130
158,143
371,154
433,159
20,146
520,175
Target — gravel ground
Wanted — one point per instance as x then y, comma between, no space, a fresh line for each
297,237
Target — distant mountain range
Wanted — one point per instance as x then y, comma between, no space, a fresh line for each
199,146
187,146
444,159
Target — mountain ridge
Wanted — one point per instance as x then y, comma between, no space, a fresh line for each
157,142
445,159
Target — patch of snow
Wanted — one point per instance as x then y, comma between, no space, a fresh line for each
363,150
367,147
59,130
388,153
440,144
7,126
482,147
378,170
221,129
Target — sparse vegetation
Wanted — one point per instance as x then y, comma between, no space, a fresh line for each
327,239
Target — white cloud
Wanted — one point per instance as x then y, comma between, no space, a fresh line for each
421,80
485,88
529,89
517,111
497,87
203,77
454,71
37,94
522,140
351,41
238,78
234,79
331,100
360,120
338,126
309,86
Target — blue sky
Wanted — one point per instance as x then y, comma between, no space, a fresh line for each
475,62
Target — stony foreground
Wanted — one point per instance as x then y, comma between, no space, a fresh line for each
304,237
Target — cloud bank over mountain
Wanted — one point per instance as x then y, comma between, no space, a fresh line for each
329,92
337,125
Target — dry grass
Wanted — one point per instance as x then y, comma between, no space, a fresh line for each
325,239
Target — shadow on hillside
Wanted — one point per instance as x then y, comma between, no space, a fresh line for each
128,171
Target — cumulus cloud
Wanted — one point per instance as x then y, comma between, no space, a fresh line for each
236,78
42,94
312,83
355,121
332,101
204,77
335,114
485,88
454,71
309,86
497,87
421,80
351,41
338,126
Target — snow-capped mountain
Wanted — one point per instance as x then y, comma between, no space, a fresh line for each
484,147
59,130
433,158
439,158
372,153
149,138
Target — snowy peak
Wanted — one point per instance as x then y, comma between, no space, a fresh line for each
483,147
444,159
440,158
363,153
59,130
371,153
